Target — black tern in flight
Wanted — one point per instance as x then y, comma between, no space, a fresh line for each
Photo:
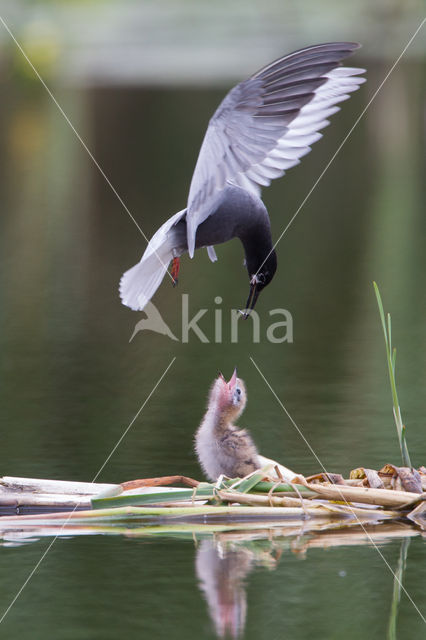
263,127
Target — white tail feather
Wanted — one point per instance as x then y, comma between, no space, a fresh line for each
138,284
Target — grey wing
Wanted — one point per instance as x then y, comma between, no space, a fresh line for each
266,123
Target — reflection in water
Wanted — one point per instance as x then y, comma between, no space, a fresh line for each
224,562
222,566
397,585
222,574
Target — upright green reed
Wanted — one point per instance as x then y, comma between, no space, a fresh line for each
391,359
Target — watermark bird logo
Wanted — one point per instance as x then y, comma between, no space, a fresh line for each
153,322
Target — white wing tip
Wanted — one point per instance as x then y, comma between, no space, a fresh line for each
345,71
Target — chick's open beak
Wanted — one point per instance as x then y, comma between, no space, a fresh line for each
233,381
251,300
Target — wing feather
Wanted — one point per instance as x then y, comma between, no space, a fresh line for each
267,123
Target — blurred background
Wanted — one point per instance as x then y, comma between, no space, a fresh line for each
139,82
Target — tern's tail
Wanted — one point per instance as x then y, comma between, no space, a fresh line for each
138,284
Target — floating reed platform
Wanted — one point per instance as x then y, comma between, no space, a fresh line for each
367,496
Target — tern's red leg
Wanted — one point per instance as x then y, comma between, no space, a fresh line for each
175,271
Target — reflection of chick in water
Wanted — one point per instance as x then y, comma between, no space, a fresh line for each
221,575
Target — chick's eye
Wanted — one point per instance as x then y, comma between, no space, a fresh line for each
238,391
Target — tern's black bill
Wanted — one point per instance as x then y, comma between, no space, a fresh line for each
251,300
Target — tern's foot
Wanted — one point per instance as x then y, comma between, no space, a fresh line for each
175,271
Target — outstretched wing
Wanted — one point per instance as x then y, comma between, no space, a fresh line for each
266,123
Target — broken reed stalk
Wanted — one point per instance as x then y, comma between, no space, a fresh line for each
391,359
249,498
308,509
118,514
378,497
163,481
319,512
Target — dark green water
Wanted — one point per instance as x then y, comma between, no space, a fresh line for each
71,382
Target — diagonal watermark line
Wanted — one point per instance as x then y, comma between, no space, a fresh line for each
288,415
345,139
78,136
342,496
42,557
80,139
124,434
